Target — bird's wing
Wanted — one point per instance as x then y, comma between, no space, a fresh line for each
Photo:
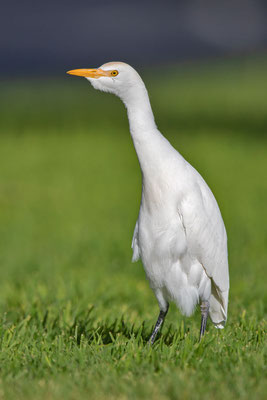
205,232
135,245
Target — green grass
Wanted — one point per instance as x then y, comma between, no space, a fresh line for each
75,313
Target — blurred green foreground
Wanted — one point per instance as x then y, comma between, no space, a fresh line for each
75,313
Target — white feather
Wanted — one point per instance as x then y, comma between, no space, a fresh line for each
179,235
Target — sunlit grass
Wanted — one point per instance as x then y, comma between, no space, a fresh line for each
75,313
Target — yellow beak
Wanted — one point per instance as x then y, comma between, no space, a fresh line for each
89,73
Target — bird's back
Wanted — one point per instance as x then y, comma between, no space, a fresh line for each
207,241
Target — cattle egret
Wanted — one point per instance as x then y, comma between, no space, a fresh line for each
179,234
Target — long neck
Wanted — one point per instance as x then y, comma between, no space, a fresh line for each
144,132
147,140
140,115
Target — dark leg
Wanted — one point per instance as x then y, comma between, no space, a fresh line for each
204,307
159,322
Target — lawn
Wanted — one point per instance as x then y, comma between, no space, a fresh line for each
75,313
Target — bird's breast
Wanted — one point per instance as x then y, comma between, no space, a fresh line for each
162,239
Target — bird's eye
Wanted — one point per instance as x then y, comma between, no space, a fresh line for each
114,72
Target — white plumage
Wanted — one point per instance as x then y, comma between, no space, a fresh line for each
179,234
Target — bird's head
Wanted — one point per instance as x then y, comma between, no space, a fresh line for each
113,77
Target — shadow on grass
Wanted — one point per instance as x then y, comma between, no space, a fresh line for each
85,327
107,332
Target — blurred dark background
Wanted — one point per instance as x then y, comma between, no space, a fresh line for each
48,37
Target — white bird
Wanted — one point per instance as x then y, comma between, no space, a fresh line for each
179,234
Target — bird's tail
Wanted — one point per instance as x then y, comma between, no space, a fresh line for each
218,306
